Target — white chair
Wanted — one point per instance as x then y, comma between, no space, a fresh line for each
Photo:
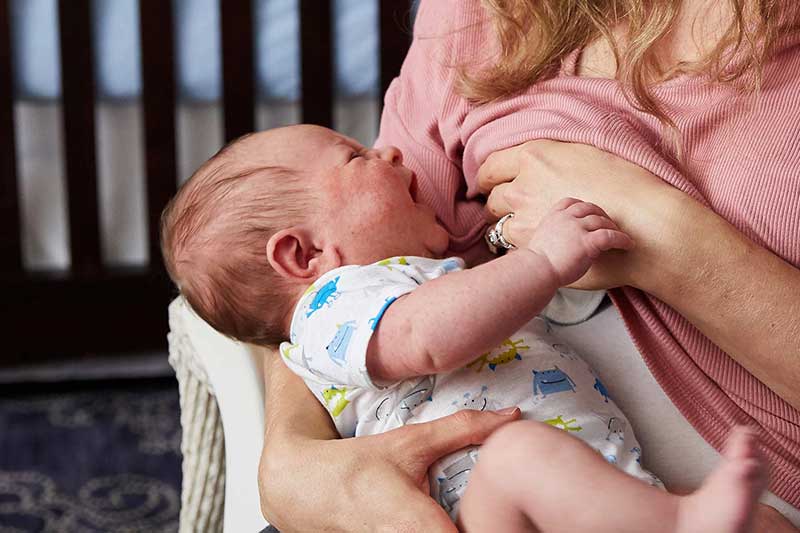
222,401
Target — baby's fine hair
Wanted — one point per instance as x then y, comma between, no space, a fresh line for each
214,235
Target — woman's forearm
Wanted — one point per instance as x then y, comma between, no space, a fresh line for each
295,426
291,409
742,297
309,480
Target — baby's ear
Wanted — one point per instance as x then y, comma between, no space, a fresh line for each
294,255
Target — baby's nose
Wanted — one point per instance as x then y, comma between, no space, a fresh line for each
392,154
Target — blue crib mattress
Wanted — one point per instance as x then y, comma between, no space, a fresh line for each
197,44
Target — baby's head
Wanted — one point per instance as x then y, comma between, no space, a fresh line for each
273,211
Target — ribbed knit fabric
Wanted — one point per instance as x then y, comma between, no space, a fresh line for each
741,159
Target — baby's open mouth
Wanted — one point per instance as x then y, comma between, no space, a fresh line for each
412,187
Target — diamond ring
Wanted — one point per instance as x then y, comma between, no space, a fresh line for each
494,235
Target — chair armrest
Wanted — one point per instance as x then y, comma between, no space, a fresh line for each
220,381
202,440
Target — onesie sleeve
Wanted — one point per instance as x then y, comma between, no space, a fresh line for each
335,319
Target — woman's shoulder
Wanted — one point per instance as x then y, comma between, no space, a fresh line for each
450,34
456,27
435,16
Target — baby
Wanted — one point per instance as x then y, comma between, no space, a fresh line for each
303,234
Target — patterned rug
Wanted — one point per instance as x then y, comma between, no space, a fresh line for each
99,457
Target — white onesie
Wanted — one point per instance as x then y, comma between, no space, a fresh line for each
330,331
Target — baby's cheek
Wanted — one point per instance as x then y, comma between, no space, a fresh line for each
383,212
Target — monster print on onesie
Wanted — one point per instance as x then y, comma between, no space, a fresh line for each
331,328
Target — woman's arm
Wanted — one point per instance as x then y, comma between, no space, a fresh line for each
310,480
740,295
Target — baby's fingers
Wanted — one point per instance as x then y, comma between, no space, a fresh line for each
580,209
568,204
595,222
608,239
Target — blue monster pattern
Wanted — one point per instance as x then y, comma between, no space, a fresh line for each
324,296
337,348
450,265
479,401
638,453
414,398
616,428
493,366
373,322
551,381
599,387
452,487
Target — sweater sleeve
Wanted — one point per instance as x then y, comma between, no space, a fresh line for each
422,105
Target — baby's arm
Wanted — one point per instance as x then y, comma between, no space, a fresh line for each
447,322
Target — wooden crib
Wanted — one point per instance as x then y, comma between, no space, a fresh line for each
93,308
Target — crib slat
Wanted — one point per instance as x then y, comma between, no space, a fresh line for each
10,241
316,62
77,81
158,100
238,86
395,39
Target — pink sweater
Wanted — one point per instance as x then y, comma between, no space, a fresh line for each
741,161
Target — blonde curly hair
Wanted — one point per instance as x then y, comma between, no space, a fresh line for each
535,35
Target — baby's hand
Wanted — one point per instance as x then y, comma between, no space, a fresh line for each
572,235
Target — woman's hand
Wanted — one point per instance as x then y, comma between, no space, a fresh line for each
768,520
686,255
309,482
530,178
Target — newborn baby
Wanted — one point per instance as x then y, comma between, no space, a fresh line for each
302,234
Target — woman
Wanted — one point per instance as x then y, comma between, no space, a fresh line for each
707,282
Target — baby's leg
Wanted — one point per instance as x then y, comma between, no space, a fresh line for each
533,477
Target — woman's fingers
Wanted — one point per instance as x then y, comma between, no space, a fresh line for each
497,204
499,167
432,440
519,229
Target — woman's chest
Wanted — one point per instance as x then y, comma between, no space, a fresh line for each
747,168
693,34
739,154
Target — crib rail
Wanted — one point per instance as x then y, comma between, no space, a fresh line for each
77,82
316,64
238,80
158,103
10,238
95,308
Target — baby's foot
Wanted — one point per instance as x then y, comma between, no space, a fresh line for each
726,501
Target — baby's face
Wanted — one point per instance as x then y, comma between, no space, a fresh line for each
366,198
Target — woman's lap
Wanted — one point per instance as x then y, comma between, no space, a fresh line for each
671,448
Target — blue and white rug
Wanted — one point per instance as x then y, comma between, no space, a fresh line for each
98,459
